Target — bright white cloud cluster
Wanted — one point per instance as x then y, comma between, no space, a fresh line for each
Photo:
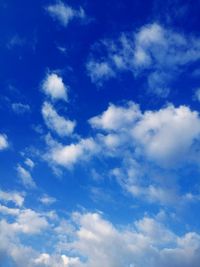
68,155
166,135
141,142
64,13
55,122
161,51
54,87
94,241
3,142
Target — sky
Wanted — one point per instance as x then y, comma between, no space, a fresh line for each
99,133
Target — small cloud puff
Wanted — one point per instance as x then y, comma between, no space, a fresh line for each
54,87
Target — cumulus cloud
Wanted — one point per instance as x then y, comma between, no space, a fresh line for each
163,136
116,117
3,142
95,241
54,87
147,243
55,122
169,133
142,143
68,155
25,177
15,197
64,13
159,53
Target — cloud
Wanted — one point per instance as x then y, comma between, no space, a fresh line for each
3,142
163,136
47,200
197,94
116,117
15,197
177,127
158,53
88,239
148,148
25,177
30,222
29,163
55,122
63,13
146,243
99,71
54,87
68,155
20,108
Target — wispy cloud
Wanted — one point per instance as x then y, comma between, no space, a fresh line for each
3,142
64,13
159,53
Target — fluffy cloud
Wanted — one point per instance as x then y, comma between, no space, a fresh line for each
54,87
64,13
25,177
116,117
157,52
168,134
146,243
163,136
142,145
95,241
15,197
68,155
3,142
55,122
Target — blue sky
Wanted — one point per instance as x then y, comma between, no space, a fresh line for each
99,133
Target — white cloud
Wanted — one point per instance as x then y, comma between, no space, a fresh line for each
20,108
15,197
54,87
25,177
99,71
55,122
30,222
3,142
163,136
47,200
148,147
162,51
68,155
147,243
29,163
64,13
95,242
168,134
116,117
